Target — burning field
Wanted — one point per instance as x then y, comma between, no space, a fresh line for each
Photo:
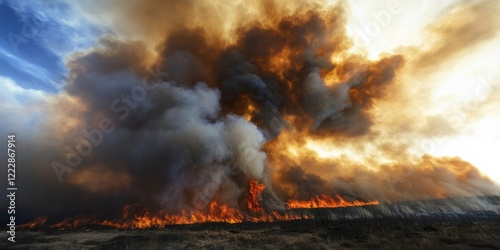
238,119
446,223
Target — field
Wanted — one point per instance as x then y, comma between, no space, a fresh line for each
472,233
462,223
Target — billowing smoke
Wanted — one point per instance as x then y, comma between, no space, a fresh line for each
195,118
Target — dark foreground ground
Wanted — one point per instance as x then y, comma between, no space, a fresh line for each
458,233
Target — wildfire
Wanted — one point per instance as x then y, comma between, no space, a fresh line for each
38,222
253,196
325,201
215,213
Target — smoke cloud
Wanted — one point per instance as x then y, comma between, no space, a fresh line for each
187,100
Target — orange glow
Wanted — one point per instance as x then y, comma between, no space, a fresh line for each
325,201
280,62
250,111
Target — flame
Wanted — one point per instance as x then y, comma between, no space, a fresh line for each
325,201
38,222
215,213
253,196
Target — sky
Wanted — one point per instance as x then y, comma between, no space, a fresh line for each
37,39
467,84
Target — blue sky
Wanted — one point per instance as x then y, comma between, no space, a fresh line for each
35,39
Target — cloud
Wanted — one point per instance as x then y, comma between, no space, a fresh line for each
27,67
13,95
22,110
60,27
462,29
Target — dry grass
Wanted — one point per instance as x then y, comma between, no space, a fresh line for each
357,234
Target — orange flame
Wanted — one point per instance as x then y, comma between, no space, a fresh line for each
325,201
218,213
253,196
38,222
